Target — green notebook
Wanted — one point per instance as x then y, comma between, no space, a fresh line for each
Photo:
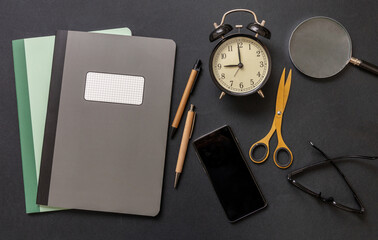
32,66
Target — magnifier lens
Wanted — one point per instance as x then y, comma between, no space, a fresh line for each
320,47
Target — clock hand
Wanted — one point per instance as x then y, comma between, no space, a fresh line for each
236,72
240,63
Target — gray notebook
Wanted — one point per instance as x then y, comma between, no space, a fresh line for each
107,123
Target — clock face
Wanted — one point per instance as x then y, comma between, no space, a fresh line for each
240,64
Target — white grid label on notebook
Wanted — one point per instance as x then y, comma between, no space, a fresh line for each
114,88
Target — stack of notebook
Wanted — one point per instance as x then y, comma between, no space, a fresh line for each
93,114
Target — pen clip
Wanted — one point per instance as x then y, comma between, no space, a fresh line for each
195,80
194,120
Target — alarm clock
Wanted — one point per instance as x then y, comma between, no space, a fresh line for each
240,64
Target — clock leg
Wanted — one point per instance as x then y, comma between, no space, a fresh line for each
261,93
222,95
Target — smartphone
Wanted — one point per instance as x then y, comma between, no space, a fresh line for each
233,181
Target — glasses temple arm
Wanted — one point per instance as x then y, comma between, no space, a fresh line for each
324,155
344,157
359,202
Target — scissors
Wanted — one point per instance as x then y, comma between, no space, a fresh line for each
282,96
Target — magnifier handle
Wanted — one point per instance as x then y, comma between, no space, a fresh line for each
369,67
365,65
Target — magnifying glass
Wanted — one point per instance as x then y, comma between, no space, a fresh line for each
321,47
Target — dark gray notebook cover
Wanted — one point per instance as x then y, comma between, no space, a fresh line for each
103,151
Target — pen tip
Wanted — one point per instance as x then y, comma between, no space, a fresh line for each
176,180
198,64
173,131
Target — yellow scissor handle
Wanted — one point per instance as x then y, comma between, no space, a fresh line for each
264,143
281,146
275,157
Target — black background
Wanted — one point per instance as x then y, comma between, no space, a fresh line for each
339,114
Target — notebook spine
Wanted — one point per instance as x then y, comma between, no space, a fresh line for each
52,118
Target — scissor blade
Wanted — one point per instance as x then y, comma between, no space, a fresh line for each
287,89
280,105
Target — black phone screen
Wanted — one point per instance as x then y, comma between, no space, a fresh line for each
231,178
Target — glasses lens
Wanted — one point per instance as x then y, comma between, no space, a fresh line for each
326,180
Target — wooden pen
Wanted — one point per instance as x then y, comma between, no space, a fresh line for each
188,130
184,99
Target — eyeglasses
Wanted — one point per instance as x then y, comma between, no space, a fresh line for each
330,200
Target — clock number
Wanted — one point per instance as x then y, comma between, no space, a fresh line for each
223,76
231,82
258,53
229,48
252,82
258,74
240,44
219,66
223,56
241,85
261,64
249,46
